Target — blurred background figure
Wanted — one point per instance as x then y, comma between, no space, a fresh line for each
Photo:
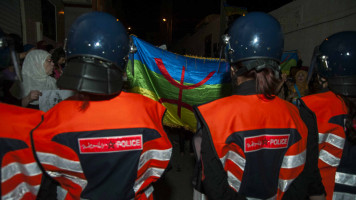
36,71
300,88
58,57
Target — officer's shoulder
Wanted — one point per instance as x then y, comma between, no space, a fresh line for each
214,101
139,97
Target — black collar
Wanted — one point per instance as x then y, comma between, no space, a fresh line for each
245,88
323,90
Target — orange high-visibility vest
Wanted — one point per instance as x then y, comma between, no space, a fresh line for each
20,174
330,112
260,143
115,149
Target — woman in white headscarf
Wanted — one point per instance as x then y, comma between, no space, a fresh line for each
36,70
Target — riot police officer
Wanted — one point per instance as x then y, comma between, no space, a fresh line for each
102,143
253,143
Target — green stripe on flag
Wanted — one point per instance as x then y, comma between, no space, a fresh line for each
158,88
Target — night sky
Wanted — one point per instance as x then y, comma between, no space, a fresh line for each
145,16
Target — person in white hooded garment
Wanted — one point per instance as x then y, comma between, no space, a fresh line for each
36,70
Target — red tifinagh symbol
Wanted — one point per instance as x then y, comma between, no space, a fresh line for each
285,59
180,85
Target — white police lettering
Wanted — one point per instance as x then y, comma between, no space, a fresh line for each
128,143
278,141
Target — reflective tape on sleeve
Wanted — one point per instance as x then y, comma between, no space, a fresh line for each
235,158
19,191
332,139
233,181
61,193
345,179
343,196
57,161
328,158
153,171
161,155
81,182
283,185
14,168
149,191
294,161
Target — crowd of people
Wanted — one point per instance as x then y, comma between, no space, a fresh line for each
40,65
273,138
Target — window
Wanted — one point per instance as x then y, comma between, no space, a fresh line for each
49,19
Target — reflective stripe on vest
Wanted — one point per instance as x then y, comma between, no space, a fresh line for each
81,182
64,164
61,193
343,196
233,181
283,185
235,158
329,158
161,155
345,179
153,171
149,191
55,160
12,169
290,162
294,161
21,190
332,139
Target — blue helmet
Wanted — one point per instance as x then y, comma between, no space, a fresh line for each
96,50
335,60
98,34
255,39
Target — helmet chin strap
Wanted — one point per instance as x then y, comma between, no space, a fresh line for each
258,64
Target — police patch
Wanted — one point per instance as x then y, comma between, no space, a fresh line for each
110,144
265,142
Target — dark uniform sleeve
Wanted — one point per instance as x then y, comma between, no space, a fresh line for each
210,176
308,183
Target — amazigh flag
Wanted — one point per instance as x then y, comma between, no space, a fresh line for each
177,81
289,60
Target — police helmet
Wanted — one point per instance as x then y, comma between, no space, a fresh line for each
96,50
256,40
335,61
